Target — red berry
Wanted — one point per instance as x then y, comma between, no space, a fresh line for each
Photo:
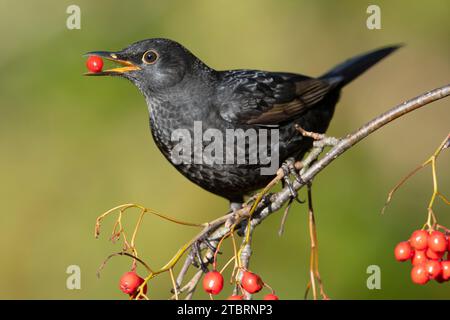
251,282
434,268
419,274
434,255
130,282
437,241
419,257
270,296
235,297
419,240
403,251
213,282
445,270
94,64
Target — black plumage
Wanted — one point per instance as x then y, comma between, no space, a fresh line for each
180,89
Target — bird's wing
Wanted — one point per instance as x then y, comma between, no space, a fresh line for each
268,98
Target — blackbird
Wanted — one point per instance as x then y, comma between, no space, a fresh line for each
185,97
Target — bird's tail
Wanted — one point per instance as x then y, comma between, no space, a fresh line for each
354,67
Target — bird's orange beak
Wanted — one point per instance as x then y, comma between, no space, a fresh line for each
126,66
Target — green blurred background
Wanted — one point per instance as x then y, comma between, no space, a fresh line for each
73,147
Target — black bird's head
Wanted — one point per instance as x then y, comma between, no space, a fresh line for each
152,64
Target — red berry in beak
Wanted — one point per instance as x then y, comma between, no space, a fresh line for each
94,64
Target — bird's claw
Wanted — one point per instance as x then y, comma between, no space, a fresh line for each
197,260
289,169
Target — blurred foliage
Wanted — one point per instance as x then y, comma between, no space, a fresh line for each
73,147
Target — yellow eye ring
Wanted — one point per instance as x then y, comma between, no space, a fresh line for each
150,57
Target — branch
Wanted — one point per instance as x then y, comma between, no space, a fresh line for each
355,137
258,207
222,225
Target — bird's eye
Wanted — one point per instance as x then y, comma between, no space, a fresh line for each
150,57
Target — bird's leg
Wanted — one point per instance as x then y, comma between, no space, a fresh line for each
208,243
289,168
197,259
235,206
287,182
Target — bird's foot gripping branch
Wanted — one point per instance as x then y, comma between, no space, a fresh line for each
208,242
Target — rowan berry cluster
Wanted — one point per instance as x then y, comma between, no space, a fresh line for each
427,252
